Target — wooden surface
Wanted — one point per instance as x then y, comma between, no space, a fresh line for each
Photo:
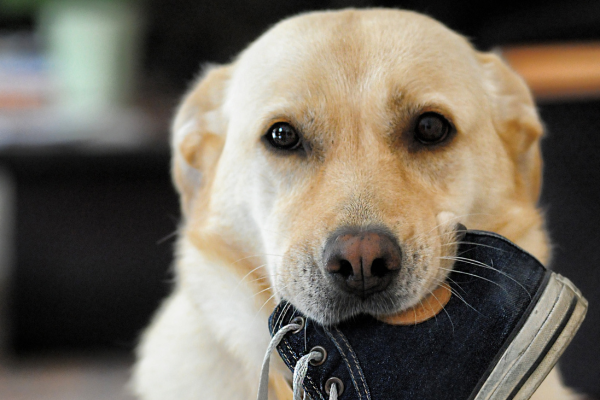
558,71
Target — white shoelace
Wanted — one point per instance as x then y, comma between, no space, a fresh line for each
300,370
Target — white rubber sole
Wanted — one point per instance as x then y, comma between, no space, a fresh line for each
541,340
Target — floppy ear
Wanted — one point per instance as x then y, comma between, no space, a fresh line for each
199,132
517,122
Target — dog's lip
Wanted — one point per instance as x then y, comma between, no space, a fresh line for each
427,308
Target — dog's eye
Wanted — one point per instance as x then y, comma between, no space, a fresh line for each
431,128
283,136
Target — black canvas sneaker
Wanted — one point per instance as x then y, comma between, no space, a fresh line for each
502,330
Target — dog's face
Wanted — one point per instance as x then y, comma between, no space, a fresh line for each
340,150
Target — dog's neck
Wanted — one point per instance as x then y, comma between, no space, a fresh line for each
229,301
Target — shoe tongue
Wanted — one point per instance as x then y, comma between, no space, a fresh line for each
427,308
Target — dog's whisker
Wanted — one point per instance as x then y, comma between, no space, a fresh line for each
456,283
262,278
270,287
439,225
267,301
247,275
167,237
256,279
261,291
454,292
477,276
474,244
285,310
478,244
389,301
255,269
305,337
415,312
444,309
490,267
264,304
423,306
255,255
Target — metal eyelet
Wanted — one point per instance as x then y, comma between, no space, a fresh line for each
298,321
334,381
321,360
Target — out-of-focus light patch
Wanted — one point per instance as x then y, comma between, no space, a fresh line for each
25,79
94,50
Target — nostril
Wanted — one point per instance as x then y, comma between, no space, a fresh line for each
379,267
345,268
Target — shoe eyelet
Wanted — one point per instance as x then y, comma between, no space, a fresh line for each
298,321
334,381
321,360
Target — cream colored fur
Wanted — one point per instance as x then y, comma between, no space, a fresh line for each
255,221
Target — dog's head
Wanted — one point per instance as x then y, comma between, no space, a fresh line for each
341,150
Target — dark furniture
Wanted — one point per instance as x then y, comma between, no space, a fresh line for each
94,242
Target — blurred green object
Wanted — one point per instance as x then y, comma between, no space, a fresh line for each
94,51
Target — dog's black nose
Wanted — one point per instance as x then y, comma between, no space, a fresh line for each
362,262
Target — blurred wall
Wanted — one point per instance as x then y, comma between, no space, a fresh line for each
184,34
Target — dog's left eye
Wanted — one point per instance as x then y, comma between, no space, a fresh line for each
283,136
432,128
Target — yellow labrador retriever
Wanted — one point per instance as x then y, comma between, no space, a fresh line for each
378,122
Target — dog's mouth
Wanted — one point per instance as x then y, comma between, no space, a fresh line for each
366,271
328,304
427,308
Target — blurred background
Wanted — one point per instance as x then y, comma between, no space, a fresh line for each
87,209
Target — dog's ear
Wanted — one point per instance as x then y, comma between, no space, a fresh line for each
517,122
199,132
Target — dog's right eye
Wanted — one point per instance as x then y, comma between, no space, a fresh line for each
283,136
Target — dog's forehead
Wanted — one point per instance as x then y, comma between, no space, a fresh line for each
354,53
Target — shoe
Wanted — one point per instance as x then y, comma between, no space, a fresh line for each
502,330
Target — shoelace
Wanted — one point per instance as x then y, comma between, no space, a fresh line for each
300,370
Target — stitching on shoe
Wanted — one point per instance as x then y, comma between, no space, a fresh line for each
341,350
355,359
